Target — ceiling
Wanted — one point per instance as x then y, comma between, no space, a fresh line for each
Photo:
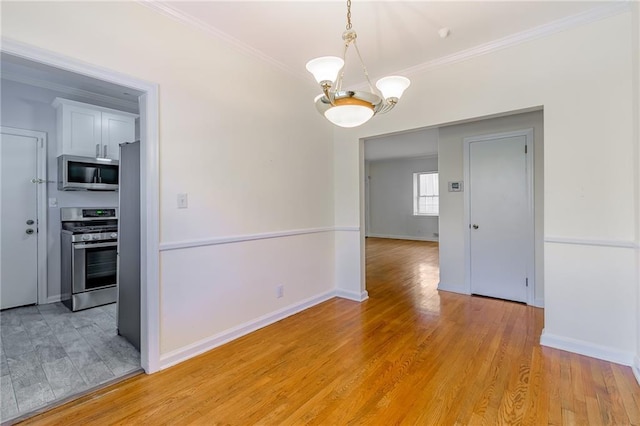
75,86
392,35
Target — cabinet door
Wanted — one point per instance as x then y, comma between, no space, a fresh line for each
116,129
81,131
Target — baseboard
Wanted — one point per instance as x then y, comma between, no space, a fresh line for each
538,303
588,349
453,288
403,237
179,355
352,295
636,368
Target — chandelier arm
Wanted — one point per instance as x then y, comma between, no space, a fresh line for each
366,73
329,94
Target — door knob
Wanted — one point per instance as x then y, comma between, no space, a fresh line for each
30,222
29,231
475,226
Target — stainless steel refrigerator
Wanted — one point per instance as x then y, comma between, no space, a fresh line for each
129,243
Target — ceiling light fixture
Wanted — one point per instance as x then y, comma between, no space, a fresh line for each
347,108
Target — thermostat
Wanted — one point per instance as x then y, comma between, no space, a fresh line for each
455,186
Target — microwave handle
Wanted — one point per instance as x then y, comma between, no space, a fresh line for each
97,150
105,151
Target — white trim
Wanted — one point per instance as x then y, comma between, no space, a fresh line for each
589,242
563,24
636,368
150,229
149,173
352,295
403,237
241,238
586,348
165,8
49,85
454,288
41,206
530,143
538,303
182,354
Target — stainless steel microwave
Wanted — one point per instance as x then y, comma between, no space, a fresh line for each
85,173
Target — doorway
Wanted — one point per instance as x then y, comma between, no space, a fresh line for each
402,215
149,170
499,213
24,221
146,96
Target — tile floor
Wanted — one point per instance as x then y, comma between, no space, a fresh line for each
49,353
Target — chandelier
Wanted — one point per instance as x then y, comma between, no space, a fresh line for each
348,108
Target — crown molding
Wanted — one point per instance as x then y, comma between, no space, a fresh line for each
545,30
592,15
164,8
18,78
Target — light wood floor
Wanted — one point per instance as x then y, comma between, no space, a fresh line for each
409,355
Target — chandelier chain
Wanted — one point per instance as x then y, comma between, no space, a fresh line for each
348,14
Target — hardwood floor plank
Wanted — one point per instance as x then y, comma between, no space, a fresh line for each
409,355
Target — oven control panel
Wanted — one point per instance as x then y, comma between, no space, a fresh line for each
98,212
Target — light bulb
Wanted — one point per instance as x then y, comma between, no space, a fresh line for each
393,86
348,115
325,68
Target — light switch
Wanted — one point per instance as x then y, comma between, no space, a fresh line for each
182,201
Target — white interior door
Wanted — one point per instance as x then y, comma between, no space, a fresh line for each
19,228
500,217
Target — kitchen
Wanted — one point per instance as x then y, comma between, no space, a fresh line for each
67,339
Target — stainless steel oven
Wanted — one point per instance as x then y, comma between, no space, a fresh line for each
89,241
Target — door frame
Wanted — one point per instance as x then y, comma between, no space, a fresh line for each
41,204
149,177
529,141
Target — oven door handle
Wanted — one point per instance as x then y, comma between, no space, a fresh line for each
77,246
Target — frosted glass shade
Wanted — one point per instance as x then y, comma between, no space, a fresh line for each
325,68
392,86
349,115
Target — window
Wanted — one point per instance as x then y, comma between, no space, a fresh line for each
425,194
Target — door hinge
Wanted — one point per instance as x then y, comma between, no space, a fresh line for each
525,149
526,281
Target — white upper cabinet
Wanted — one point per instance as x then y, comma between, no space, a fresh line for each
91,131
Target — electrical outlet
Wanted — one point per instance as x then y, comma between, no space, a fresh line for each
280,291
182,201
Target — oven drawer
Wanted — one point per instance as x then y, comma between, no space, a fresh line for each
90,299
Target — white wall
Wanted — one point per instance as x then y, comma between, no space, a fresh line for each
243,149
29,107
636,138
452,226
583,79
391,200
